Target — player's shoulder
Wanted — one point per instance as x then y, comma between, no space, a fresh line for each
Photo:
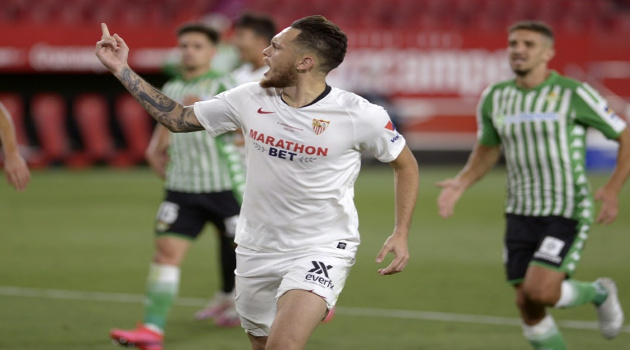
500,85
565,81
354,103
248,91
255,89
497,87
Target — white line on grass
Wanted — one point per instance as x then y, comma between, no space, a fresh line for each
352,311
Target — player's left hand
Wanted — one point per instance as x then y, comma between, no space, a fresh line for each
396,244
112,51
452,190
17,172
610,206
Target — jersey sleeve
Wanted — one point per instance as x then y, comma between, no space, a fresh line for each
220,113
486,132
377,134
592,109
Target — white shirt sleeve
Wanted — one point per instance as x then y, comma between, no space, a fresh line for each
221,113
377,134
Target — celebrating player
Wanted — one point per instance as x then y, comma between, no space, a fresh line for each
540,119
198,170
15,166
297,233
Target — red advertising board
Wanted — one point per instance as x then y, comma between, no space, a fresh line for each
432,77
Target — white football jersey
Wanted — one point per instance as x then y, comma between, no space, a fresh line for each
302,164
247,74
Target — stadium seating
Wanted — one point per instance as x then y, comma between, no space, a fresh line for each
49,117
92,116
442,14
136,130
15,106
93,128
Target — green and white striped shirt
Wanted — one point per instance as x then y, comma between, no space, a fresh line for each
196,164
543,135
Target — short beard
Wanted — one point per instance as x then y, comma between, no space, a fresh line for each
286,78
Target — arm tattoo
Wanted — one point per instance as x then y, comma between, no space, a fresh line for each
164,110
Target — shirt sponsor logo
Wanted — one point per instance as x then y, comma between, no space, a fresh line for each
320,125
530,117
550,249
285,149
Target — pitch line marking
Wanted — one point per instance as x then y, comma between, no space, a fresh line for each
350,311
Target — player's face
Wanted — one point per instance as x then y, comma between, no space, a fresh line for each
282,59
196,50
248,44
528,50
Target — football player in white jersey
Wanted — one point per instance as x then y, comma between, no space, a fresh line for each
298,228
252,34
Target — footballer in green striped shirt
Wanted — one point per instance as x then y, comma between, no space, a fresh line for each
204,180
538,120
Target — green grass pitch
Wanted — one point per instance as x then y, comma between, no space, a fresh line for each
88,234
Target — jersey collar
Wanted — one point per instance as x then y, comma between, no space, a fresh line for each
325,93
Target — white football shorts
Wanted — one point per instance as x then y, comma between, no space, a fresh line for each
263,277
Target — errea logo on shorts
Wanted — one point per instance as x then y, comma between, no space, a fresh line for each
315,275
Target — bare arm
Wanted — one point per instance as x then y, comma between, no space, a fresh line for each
174,116
481,160
15,166
113,52
609,192
156,153
406,182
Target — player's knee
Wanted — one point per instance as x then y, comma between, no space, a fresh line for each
538,294
167,257
521,299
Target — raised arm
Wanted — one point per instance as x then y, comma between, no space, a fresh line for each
406,181
609,192
481,160
113,53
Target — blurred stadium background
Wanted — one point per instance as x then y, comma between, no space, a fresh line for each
426,60
74,248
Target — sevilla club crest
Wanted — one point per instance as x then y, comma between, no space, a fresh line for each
320,125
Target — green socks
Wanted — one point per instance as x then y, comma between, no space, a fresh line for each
162,288
544,335
576,293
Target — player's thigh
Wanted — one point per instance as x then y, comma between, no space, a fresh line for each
299,313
